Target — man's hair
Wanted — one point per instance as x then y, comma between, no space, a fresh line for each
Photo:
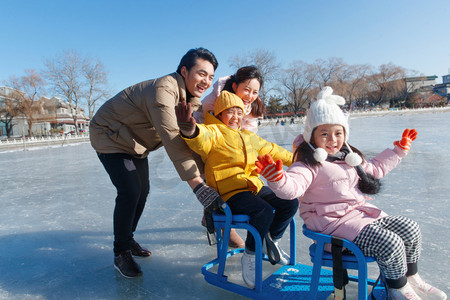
190,58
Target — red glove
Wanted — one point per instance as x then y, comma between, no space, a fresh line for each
185,121
407,138
272,171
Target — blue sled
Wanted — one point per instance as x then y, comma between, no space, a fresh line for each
288,282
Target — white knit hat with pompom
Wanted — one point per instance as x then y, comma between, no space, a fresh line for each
325,110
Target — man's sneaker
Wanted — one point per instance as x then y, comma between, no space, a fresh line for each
404,293
137,250
125,264
424,290
248,269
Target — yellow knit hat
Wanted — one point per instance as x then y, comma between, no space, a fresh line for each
227,100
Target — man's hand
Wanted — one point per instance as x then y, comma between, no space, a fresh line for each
272,171
407,138
208,197
185,120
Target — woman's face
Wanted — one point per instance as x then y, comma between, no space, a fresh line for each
330,137
232,117
247,90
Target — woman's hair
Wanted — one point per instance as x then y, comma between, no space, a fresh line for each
243,74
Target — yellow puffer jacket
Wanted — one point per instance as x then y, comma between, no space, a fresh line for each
229,156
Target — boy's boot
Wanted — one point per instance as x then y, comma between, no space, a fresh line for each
248,269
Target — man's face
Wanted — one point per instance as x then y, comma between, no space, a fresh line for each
199,78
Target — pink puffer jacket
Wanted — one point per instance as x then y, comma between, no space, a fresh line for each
331,202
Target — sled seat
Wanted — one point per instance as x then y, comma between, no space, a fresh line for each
354,260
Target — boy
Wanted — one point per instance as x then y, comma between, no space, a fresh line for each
229,155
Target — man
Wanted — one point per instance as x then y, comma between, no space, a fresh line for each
141,119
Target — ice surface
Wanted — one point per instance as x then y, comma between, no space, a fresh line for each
57,203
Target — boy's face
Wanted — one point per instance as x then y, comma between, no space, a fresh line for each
330,137
199,78
232,117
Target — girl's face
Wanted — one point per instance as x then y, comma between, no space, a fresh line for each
232,117
330,137
247,90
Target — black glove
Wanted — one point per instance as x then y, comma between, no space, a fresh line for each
208,197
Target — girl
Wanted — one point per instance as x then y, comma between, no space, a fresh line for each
246,84
228,154
331,178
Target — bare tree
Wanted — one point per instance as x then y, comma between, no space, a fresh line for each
267,64
387,83
351,82
75,79
296,85
9,109
27,91
327,70
96,90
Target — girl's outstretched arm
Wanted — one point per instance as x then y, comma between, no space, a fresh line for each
290,184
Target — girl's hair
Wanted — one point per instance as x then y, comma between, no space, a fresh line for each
244,74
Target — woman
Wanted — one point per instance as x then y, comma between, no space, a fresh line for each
246,84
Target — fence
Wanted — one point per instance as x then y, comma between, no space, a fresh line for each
24,143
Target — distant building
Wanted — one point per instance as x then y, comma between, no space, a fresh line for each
422,83
429,93
443,89
53,116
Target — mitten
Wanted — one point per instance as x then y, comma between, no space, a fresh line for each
185,120
407,138
208,197
270,170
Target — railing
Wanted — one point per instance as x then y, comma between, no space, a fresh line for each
16,143
358,113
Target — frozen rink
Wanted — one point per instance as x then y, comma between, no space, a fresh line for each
57,203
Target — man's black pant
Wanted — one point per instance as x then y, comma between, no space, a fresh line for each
131,179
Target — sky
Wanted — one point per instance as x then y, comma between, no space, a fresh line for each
140,40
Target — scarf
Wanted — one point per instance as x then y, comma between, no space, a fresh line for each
367,183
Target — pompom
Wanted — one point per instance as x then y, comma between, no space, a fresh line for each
352,159
320,155
327,95
326,91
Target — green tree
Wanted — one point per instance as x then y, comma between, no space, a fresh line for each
274,105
